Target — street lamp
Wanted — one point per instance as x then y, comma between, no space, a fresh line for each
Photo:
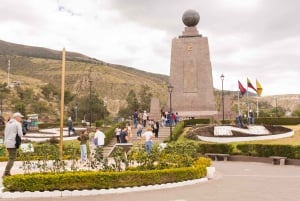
222,78
76,109
276,106
170,89
90,102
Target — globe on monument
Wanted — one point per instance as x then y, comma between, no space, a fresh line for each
190,18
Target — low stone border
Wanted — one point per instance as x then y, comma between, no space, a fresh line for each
65,193
242,139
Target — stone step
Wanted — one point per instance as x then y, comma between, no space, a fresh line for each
163,134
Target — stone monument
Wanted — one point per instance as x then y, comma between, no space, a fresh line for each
155,113
191,72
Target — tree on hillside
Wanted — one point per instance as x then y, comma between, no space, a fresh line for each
132,105
145,98
50,90
296,112
85,107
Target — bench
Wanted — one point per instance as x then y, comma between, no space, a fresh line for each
278,160
215,156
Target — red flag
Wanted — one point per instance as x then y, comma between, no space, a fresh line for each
250,85
242,89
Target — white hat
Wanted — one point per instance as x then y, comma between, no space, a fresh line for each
17,114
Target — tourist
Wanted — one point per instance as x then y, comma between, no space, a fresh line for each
145,117
12,129
99,138
124,135
135,118
139,130
117,133
148,135
70,127
156,129
83,138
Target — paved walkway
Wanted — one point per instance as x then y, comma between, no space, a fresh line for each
234,181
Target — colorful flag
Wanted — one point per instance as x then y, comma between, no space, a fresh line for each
250,85
258,88
242,89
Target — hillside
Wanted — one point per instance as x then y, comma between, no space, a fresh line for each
111,82
34,67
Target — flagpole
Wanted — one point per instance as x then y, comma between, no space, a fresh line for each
247,102
239,111
257,109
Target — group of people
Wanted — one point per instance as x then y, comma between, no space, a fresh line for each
97,140
14,127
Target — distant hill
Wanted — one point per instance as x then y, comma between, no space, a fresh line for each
111,82
34,67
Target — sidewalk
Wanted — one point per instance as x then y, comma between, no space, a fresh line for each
234,181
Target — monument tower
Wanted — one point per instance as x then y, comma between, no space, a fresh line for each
191,72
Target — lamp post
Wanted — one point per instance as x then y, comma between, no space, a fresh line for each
276,111
90,102
222,79
1,96
76,109
170,89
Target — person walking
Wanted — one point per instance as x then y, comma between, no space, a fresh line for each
156,128
139,130
118,132
124,135
12,129
83,138
99,138
148,135
70,126
145,117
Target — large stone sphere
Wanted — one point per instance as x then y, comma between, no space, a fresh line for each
190,18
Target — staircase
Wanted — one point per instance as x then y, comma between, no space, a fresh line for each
163,134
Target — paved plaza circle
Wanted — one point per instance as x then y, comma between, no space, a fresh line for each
234,181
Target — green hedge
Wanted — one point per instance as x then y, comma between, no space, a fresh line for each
191,122
99,180
215,148
265,150
278,121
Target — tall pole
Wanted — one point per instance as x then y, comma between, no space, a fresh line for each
222,78
62,103
1,91
170,89
90,102
8,71
276,106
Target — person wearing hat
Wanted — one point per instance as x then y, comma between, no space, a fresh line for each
12,128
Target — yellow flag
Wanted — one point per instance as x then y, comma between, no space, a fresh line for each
259,88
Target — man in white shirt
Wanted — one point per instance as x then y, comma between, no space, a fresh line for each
12,128
99,138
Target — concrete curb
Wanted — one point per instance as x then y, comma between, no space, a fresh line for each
66,193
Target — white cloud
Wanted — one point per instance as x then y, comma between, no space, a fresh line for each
249,38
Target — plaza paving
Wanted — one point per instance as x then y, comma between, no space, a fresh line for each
233,181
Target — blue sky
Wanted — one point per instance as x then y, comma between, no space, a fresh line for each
250,38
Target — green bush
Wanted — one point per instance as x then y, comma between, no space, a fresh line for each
191,122
265,150
99,180
278,121
215,148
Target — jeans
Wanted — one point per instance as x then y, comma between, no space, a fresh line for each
148,146
83,152
12,155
